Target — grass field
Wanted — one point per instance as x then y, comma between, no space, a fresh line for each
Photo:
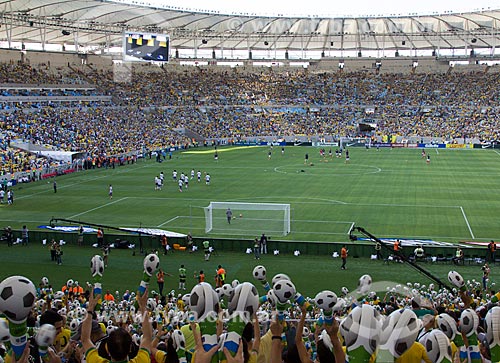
391,193
310,274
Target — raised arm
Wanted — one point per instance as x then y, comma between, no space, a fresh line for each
299,342
87,323
147,328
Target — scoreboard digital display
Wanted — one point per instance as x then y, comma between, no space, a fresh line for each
146,47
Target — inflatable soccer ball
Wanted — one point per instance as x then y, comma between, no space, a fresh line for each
438,346
45,281
73,325
492,322
284,290
179,340
456,279
45,335
271,298
96,265
151,263
469,321
227,290
361,328
245,298
219,292
185,299
17,297
399,332
151,304
325,300
364,284
234,283
259,273
70,283
203,300
447,325
278,277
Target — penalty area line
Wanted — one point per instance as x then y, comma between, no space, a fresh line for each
96,208
467,222
167,222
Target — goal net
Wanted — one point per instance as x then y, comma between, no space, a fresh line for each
247,218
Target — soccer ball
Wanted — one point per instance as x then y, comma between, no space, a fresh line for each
17,297
305,332
469,321
244,298
45,335
259,273
45,281
447,325
110,329
73,325
4,330
271,298
234,283
203,300
456,279
178,339
70,283
284,290
219,292
325,300
241,215
136,339
361,328
227,290
185,299
438,346
151,263
399,332
151,304
345,291
96,266
278,277
364,284
492,322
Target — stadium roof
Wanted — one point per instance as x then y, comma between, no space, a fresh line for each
96,22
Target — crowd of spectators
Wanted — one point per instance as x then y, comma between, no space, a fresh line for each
397,324
236,104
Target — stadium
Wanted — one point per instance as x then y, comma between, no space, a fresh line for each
207,138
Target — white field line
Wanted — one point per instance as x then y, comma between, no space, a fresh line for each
96,208
467,222
83,180
170,220
496,152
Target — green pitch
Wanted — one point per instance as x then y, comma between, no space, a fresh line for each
391,193
310,274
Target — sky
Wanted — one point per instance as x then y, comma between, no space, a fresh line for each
335,8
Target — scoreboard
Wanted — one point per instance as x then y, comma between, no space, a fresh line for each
146,47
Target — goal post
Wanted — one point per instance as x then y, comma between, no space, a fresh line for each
247,218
